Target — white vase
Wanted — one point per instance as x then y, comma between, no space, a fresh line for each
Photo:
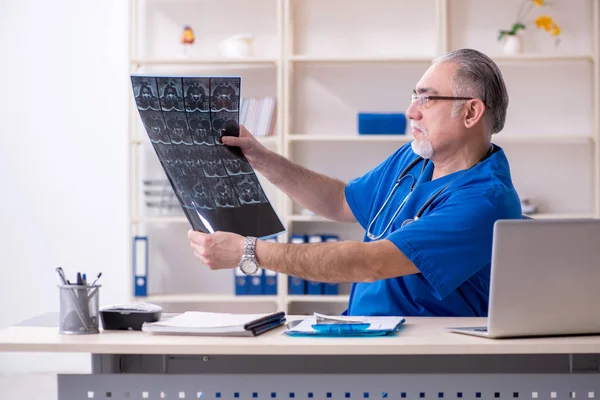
238,46
513,44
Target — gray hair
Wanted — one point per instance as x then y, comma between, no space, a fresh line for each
478,76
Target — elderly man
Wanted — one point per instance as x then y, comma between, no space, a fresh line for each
428,210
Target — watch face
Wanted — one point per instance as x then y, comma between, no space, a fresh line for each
248,267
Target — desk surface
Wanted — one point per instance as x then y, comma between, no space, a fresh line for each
417,336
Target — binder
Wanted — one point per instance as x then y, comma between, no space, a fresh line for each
140,266
269,282
330,288
255,283
313,287
296,285
240,281
269,278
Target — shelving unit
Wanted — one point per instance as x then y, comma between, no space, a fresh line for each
327,60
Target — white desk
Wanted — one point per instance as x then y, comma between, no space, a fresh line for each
421,361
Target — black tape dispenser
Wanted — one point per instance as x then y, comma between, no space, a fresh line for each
129,316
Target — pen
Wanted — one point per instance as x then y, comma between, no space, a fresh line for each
96,280
84,279
79,279
63,280
93,292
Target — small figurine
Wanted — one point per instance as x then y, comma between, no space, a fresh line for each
187,38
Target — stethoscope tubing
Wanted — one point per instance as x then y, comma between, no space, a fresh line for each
424,207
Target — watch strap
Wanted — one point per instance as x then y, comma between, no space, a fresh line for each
250,247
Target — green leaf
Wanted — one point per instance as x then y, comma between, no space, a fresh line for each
516,27
502,34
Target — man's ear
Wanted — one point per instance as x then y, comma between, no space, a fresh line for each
475,110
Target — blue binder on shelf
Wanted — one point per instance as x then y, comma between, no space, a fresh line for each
330,288
140,266
269,282
240,281
269,278
255,283
296,285
313,287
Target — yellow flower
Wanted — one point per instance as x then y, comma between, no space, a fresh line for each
544,22
555,30
538,2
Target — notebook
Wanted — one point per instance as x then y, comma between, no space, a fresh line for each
216,324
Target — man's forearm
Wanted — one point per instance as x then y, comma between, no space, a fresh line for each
316,192
335,261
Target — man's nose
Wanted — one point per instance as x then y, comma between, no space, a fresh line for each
413,111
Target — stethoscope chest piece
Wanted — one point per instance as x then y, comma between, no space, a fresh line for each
409,221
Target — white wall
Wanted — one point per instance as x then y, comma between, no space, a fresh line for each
63,157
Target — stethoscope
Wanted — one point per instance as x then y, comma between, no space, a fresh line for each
431,199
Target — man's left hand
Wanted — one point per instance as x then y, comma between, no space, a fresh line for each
219,250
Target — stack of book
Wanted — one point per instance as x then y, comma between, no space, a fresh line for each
258,115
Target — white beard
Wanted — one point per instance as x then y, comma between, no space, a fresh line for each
422,148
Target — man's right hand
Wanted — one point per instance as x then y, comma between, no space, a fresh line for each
250,146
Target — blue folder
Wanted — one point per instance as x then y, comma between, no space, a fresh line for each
363,329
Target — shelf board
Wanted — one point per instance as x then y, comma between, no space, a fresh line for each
307,298
206,298
349,138
562,215
254,62
308,218
303,58
166,219
545,57
316,218
550,138
359,59
262,139
500,138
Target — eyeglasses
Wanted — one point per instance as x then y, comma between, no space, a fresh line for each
423,99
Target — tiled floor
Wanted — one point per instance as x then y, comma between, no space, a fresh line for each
28,386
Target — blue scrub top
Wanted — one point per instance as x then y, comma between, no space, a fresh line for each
451,244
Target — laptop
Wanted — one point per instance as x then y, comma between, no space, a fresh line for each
545,279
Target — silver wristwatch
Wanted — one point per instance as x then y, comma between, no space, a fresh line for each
249,263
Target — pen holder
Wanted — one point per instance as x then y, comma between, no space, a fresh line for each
79,305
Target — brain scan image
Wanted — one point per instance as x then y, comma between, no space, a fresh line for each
166,152
200,128
202,196
224,195
145,93
234,165
223,122
181,191
197,94
211,163
155,126
225,94
169,90
187,161
177,128
248,189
